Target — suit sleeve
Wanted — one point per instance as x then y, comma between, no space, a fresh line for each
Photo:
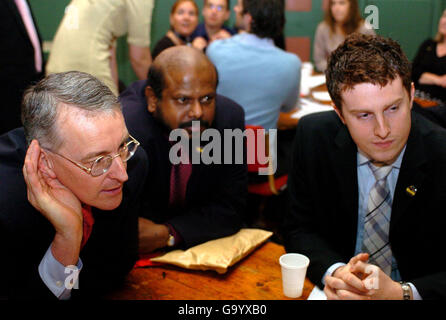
432,286
3,255
302,222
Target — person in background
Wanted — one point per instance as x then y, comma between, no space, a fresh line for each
186,203
215,14
262,78
21,61
70,192
429,66
86,38
265,81
279,39
367,181
183,21
341,19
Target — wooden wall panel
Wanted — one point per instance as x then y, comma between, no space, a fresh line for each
298,5
300,46
325,5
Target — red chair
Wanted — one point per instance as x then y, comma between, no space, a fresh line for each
259,158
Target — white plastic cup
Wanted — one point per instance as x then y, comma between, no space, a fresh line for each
306,72
294,268
307,69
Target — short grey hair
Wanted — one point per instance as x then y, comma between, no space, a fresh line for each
42,103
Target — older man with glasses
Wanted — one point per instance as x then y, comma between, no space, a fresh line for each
72,174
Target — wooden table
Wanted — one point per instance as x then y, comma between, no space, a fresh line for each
425,103
256,277
320,88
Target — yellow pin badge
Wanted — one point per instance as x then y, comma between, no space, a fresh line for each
411,190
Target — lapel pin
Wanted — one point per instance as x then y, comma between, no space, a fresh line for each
411,191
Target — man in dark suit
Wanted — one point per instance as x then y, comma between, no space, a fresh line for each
371,161
180,89
69,200
20,59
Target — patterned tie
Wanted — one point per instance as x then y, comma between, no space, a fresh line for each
179,176
377,221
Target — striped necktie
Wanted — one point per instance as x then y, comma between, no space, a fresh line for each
377,221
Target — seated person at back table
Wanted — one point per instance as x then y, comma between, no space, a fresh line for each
215,14
83,194
183,21
429,66
342,18
368,182
252,71
187,204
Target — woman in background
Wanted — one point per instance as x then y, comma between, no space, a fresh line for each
341,19
429,66
183,21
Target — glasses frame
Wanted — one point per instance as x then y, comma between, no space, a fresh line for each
219,8
88,170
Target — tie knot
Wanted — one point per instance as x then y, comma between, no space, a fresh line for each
380,172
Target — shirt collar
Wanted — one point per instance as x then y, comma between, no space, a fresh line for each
252,39
362,159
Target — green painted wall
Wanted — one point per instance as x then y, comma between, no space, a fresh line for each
407,21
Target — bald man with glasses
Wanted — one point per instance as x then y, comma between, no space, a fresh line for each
71,180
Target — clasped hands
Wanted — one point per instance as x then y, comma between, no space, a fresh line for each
359,280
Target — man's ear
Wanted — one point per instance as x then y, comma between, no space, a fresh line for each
152,100
46,165
339,113
412,94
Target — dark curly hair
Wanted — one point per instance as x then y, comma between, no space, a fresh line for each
366,59
268,17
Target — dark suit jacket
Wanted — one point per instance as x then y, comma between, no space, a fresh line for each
215,195
17,66
25,234
323,188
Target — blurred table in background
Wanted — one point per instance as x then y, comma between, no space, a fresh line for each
425,103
